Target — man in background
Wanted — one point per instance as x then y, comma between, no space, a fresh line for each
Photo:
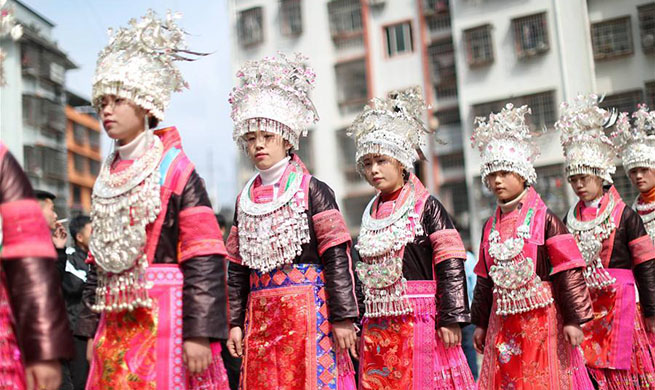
232,364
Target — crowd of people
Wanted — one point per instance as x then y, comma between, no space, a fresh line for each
150,297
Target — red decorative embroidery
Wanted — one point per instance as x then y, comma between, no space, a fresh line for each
280,343
25,231
233,245
330,229
387,353
446,244
564,253
642,249
199,234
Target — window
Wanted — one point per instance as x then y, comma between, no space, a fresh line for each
437,13
650,94
542,106
351,83
623,185
448,116
345,17
79,163
94,167
399,38
647,27
290,17
79,134
94,139
530,35
305,151
347,151
77,195
479,49
444,75
250,26
611,38
623,102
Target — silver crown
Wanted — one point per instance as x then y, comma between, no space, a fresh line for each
273,95
506,143
8,27
392,126
138,63
587,149
636,144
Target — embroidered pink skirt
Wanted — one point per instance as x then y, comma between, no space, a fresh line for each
616,347
142,349
406,353
288,338
12,373
528,351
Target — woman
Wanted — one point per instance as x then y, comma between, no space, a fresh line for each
157,279
412,259
291,288
530,298
637,149
617,251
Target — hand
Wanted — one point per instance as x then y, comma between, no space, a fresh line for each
451,335
479,335
345,336
89,350
649,322
59,236
197,354
573,334
43,375
235,342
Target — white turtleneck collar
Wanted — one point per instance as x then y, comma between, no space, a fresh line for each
135,148
273,174
508,207
594,203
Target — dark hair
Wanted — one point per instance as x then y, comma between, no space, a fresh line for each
77,225
43,195
152,122
221,220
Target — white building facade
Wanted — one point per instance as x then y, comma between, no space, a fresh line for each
541,53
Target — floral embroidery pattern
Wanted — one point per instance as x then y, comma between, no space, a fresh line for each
506,350
388,352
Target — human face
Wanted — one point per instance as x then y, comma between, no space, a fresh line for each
265,149
122,119
383,172
505,185
48,210
587,187
84,236
642,178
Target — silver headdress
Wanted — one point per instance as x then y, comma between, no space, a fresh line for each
636,143
8,27
505,143
393,127
588,151
273,96
139,63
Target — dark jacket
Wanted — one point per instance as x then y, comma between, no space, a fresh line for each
339,282
204,305
419,264
30,274
73,270
630,228
569,288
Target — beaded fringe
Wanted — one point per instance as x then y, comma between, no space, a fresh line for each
533,296
388,301
596,276
125,291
